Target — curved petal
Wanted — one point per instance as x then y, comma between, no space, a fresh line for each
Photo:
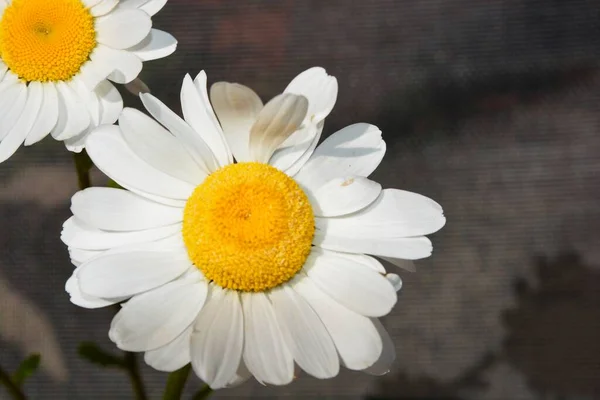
16,136
127,273
297,149
85,301
123,28
320,89
47,116
153,319
125,66
353,151
111,154
76,233
111,102
120,210
265,353
73,116
198,114
279,118
157,44
304,333
173,355
345,195
395,281
356,339
151,7
198,149
157,147
237,107
218,338
360,289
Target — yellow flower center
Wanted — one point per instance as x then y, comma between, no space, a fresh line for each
248,227
46,40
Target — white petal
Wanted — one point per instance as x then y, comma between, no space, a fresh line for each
111,102
279,118
131,3
77,143
304,333
103,7
388,353
237,107
111,154
218,337
79,256
92,73
198,149
367,261
395,280
355,150
157,44
73,117
128,273
47,116
265,353
319,88
88,98
125,66
360,289
3,5
85,301
198,114
408,265
77,234
297,149
155,318
345,195
158,147
121,210
354,335
3,67
412,248
12,104
395,214
173,355
91,3
153,6
123,28
22,127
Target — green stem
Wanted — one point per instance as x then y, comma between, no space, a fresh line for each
176,383
12,388
134,376
203,393
83,164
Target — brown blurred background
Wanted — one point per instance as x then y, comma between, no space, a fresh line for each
490,107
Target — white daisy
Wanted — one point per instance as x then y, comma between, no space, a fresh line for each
56,57
245,268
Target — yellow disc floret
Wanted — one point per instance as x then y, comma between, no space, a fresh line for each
46,40
248,227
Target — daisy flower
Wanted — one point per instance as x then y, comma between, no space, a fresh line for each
56,60
245,268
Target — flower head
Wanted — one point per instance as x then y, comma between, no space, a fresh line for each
56,60
245,268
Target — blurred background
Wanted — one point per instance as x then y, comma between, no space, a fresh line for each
492,108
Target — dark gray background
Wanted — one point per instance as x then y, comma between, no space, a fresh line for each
489,107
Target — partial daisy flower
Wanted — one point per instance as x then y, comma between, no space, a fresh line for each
245,268
56,60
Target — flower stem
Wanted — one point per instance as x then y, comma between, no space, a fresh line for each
176,383
134,376
83,164
11,387
203,393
